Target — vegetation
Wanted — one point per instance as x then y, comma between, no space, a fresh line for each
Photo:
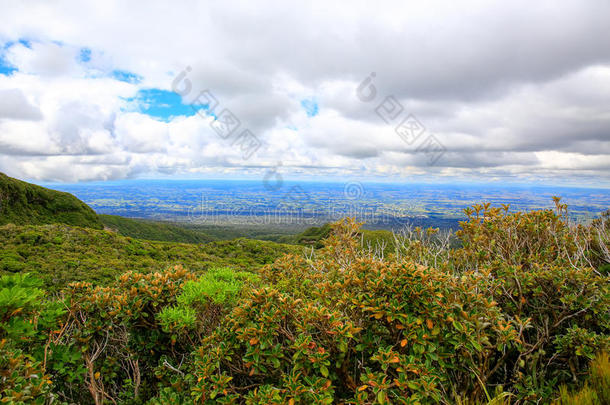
313,236
516,312
24,203
151,230
60,254
282,233
597,385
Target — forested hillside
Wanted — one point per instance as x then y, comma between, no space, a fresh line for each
25,203
59,254
151,230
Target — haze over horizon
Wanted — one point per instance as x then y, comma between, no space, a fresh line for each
513,92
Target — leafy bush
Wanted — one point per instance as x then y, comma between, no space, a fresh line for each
24,318
22,377
596,389
203,302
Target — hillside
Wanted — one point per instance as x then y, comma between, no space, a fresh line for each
60,254
23,203
154,230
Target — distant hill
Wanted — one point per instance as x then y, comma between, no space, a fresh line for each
154,230
315,236
24,203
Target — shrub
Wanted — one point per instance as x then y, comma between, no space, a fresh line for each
596,389
22,378
202,302
525,316
347,328
24,321
116,331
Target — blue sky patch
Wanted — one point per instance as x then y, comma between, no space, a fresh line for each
125,76
25,42
85,55
311,106
6,68
163,105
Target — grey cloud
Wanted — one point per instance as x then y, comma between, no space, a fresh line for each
14,105
73,124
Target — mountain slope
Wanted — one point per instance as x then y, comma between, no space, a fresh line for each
24,203
59,254
153,230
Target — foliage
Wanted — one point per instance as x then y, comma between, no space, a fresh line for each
492,235
23,319
22,379
204,301
116,331
349,328
60,254
314,236
513,311
596,389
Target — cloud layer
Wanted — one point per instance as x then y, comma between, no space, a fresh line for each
515,91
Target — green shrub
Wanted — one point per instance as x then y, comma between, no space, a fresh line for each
11,262
25,320
596,389
218,286
23,379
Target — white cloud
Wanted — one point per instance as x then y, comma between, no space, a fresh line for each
532,102
44,59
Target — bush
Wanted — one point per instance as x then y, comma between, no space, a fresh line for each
596,389
24,320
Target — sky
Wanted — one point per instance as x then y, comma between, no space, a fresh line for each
490,91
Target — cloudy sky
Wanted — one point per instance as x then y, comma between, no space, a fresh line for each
511,91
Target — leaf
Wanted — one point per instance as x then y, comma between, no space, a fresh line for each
324,371
429,324
253,341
